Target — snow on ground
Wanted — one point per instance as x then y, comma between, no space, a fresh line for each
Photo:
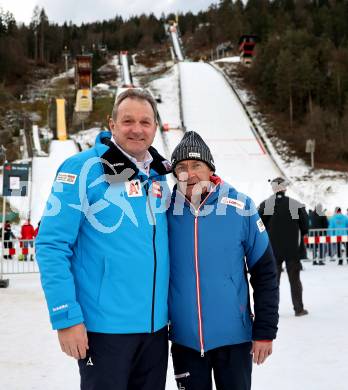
310,186
169,109
101,87
229,59
308,353
86,138
159,145
70,73
141,70
115,61
330,188
168,87
212,109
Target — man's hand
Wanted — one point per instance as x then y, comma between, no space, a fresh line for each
261,350
74,341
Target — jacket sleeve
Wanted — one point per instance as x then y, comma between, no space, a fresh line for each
303,221
265,217
325,223
263,278
55,247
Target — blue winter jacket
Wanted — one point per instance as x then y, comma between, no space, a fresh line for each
211,250
338,225
102,247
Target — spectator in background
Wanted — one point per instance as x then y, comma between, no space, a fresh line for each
310,218
319,221
286,220
27,237
8,235
339,225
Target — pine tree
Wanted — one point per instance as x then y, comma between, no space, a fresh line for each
285,81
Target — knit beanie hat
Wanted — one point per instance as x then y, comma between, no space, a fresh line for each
192,147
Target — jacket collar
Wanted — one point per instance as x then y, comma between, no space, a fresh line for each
116,162
280,194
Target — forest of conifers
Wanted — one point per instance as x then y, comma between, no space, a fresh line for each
299,76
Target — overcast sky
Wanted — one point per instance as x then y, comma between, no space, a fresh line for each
91,10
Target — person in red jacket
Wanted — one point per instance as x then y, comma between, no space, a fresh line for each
27,236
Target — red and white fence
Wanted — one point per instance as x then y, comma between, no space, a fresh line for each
18,257
310,240
327,244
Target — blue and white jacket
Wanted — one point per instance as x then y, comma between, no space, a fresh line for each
211,250
102,247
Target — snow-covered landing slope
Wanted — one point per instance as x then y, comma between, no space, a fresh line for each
211,108
168,87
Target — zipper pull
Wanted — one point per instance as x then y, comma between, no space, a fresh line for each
196,212
202,352
146,187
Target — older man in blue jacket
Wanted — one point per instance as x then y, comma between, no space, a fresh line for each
102,249
216,237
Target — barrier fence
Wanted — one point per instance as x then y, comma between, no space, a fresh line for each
327,245
18,257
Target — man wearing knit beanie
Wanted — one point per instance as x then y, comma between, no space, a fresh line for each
215,236
192,154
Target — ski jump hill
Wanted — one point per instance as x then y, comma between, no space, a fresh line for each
210,107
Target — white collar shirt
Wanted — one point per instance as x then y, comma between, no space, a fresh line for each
143,166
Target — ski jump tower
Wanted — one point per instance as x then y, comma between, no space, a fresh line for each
83,83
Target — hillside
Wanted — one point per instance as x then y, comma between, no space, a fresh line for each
299,78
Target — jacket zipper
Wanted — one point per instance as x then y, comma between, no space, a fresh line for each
154,258
198,287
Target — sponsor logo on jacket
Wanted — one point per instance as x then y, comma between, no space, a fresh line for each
233,202
68,178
